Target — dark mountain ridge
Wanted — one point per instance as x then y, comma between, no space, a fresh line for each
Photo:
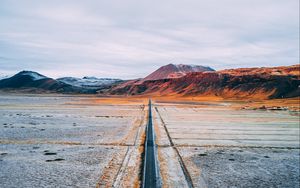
38,83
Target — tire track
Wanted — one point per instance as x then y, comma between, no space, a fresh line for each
120,174
180,159
130,149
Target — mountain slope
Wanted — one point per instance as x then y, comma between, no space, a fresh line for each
89,82
37,83
283,70
175,71
236,83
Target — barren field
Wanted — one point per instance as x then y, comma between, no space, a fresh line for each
82,141
57,141
220,146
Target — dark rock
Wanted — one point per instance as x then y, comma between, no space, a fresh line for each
262,107
57,159
50,153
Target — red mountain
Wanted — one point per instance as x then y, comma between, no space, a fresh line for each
274,82
175,71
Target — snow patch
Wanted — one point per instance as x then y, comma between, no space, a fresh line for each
3,76
191,68
35,76
88,81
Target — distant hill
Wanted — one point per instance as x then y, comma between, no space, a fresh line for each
35,82
175,80
89,82
279,71
274,82
175,71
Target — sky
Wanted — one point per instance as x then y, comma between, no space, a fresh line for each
131,38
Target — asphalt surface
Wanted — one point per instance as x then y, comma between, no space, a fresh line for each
151,175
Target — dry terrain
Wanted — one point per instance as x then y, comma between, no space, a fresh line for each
61,141
218,145
88,141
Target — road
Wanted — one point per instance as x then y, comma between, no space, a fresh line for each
151,175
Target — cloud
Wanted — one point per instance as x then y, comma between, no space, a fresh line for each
130,39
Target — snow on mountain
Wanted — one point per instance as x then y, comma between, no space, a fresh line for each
88,81
3,76
192,68
34,82
34,75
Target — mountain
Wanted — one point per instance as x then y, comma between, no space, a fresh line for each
274,82
89,82
165,72
175,71
35,82
282,70
175,80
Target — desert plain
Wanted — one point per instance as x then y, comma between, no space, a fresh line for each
54,140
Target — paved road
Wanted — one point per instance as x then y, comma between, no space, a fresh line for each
151,175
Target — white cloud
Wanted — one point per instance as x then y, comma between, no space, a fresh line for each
131,38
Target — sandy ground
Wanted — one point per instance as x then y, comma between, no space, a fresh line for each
89,141
223,146
243,167
64,141
292,104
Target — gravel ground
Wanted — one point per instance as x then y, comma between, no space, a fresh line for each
225,147
55,141
247,167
